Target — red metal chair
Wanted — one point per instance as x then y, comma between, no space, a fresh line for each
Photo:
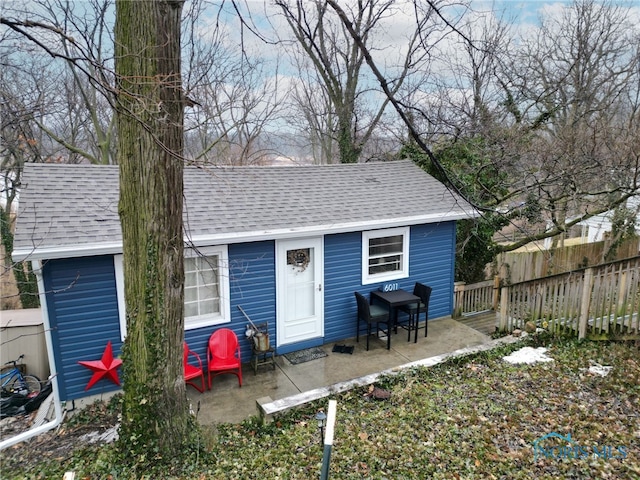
223,354
191,372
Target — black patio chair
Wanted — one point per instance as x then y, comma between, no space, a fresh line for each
372,314
424,292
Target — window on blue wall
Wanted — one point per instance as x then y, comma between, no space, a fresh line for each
385,255
206,288
201,286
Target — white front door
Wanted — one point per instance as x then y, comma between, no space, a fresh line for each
299,277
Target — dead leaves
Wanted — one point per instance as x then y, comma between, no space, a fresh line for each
377,393
472,418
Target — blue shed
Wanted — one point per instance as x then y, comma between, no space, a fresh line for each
289,245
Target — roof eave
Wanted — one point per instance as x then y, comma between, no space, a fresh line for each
66,251
254,236
112,248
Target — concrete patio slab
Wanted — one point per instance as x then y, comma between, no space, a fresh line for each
226,402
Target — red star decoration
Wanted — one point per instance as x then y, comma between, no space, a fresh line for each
105,367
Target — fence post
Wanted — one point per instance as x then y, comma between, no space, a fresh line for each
540,302
496,293
458,299
585,304
622,294
504,305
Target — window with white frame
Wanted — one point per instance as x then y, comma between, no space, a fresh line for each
206,288
385,255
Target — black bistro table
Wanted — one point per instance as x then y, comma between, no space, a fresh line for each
394,299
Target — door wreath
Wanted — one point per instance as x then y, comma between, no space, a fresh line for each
299,258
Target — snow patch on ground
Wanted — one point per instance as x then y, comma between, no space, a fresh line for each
528,355
602,370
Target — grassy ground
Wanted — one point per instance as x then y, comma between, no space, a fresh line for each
473,417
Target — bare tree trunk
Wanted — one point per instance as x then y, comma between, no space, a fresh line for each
337,62
150,145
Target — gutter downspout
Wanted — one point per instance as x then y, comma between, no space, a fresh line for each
37,268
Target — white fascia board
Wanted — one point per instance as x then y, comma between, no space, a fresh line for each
255,236
112,248
67,251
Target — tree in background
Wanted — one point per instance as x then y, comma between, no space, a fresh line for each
235,97
624,223
57,86
556,115
335,96
54,85
575,87
475,246
19,145
62,61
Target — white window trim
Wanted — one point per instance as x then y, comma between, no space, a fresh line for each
368,279
198,322
223,268
122,311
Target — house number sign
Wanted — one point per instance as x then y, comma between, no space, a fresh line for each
389,287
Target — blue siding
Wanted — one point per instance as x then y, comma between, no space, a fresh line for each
431,261
252,285
342,276
83,311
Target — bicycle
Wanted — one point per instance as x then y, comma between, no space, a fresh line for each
13,381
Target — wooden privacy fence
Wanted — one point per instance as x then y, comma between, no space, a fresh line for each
519,266
598,301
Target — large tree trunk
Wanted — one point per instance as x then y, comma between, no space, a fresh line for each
349,152
150,144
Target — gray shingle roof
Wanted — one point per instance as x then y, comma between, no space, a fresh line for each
72,210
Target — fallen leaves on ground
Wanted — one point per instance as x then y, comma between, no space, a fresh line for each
472,417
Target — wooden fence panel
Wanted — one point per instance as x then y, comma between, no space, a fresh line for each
473,298
602,300
633,297
596,301
522,266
